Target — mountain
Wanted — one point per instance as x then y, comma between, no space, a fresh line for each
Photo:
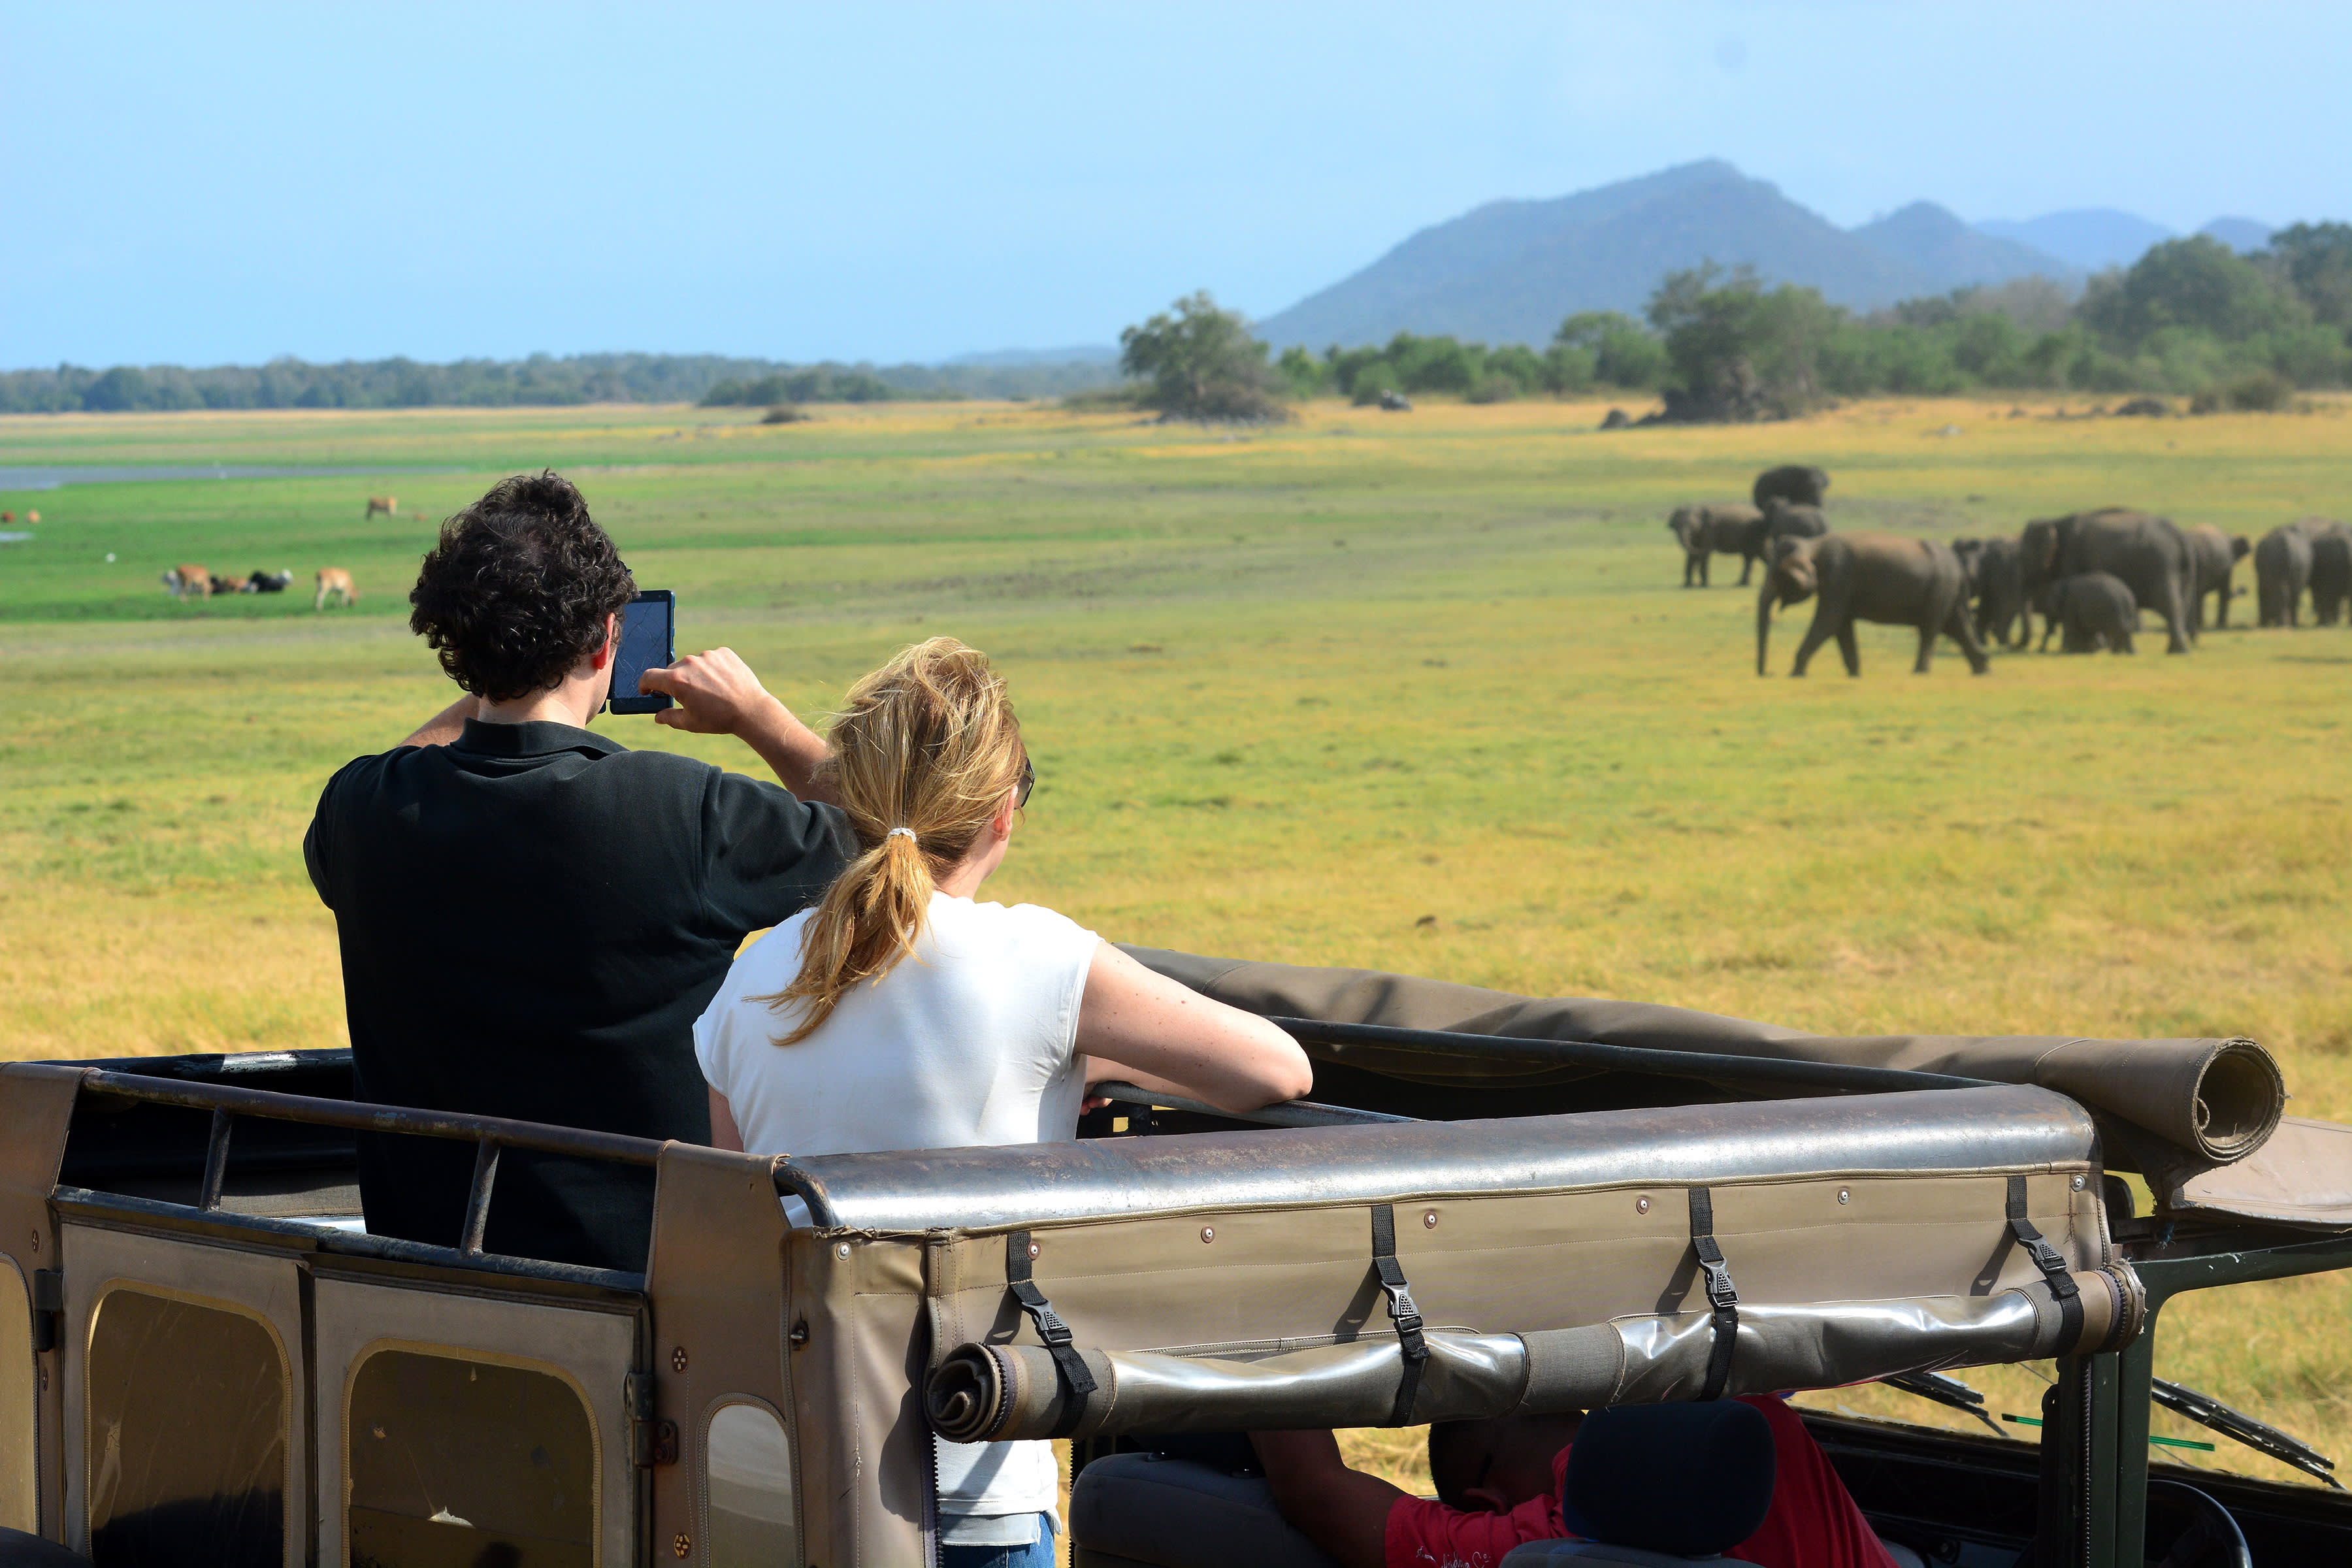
2089,237
1932,239
1511,271
2240,233
1016,359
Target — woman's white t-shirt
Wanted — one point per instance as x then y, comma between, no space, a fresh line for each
971,1040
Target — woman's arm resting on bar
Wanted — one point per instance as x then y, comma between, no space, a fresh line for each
1163,1035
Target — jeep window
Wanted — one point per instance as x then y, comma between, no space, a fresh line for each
454,1461
187,1434
748,1487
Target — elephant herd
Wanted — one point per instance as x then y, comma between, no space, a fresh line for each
2090,575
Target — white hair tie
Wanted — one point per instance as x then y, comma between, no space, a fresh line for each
896,831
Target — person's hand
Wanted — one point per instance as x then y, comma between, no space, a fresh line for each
715,693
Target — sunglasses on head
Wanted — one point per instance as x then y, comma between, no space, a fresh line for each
1028,781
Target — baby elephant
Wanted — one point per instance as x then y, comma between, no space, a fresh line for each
2095,610
1868,577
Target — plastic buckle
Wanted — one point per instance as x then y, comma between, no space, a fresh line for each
1720,1293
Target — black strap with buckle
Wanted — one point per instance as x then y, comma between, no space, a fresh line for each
1077,1381
1721,1295
1402,1311
2053,1264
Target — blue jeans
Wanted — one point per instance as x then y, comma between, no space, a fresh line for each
1038,1553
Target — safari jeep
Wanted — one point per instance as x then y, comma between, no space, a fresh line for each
1494,1204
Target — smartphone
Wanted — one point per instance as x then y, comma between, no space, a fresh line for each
648,638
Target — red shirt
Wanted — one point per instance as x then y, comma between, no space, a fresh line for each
1813,1523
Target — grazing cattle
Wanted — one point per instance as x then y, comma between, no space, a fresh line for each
385,504
227,585
336,582
33,517
189,583
268,582
8,516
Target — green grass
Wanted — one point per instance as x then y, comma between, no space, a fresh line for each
1417,692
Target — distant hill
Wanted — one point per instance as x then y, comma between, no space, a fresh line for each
1511,271
2088,237
1011,359
2240,233
1934,241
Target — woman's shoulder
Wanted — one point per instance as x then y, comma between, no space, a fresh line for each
1011,923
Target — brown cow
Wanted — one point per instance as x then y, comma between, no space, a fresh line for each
385,504
189,583
334,580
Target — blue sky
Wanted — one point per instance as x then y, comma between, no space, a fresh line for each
229,182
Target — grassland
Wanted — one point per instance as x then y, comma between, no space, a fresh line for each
1415,691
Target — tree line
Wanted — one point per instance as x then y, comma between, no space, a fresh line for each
2192,316
540,380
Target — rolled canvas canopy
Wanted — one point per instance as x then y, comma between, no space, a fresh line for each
2212,1101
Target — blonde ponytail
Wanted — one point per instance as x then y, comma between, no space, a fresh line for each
923,754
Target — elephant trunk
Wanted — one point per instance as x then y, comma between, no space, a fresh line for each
1764,603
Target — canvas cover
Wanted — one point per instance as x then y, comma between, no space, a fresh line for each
2176,1108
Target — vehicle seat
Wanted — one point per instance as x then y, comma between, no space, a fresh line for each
1661,1485
18,1550
1147,1510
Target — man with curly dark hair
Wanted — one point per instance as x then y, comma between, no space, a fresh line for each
532,916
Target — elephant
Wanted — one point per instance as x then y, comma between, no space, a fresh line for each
2214,554
1704,531
1792,482
2146,552
2282,572
1871,577
2095,609
1788,520
1991,566
2331,567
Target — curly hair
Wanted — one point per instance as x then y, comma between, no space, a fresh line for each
518,590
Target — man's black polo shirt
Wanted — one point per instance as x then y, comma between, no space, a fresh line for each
531,919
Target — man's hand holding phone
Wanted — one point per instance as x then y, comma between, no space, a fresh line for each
717,694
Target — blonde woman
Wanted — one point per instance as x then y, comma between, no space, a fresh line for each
901,1013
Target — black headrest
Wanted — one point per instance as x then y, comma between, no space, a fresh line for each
1690,1480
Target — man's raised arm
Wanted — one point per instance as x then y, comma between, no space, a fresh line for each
446,725
717,694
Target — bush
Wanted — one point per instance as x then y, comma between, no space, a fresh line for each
2265,392
1303,375
1493,388
784,413
1370,381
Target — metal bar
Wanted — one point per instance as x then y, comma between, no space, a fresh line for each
216,1161
2134,1367
478,1197
2106,1459
328,1239
1714,1068
2264,1257
1290,1113
534,1135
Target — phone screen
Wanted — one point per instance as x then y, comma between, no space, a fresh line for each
648,624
